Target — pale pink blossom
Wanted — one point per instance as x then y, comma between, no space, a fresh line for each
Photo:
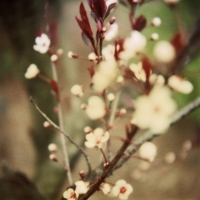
95,108
42,43
133,45
97,138
122,189
82,187
154,111
148,150
111,32
70,194
138,71
164,52
105,188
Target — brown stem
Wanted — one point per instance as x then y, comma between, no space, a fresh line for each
111,166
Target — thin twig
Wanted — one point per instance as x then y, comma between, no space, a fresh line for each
63,133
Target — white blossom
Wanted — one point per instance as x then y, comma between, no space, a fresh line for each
32,71
164,52
77,90
105,188
122,189
96,138
42,43
82,187
95,108
155,110
70,194
179,84
148,150
133,45
111,32
156,79
138,71
107,71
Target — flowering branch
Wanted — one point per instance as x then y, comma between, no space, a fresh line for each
65,135
148,136
107,171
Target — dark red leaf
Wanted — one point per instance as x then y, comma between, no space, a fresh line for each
178,42
85,18
98,7
110,7
139,23
54,86
147,66
85,39
128,74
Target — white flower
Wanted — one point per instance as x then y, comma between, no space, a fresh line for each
42,43
107,71
179,84
70,194
164,52
32,71
77,90
95,108
82,187
122,189
156,79
108,52
96,138
111,32
134,44
154,111
105,188
138,71
148,150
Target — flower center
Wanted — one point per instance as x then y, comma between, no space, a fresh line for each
73,195
122,190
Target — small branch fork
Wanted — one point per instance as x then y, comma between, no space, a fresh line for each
66,135
127,147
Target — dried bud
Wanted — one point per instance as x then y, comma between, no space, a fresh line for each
60,52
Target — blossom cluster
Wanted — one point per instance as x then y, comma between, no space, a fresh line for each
115,68
121,189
